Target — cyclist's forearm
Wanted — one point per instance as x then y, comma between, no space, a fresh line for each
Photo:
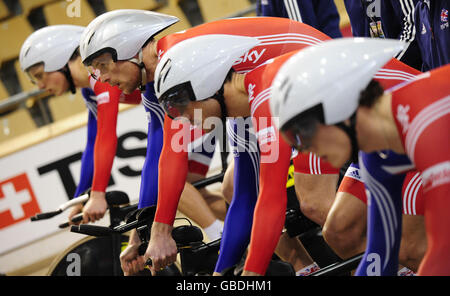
134,238
105,143
270,211
173,169
161,229
87,158
267,227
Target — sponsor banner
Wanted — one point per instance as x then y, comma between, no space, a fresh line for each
44,176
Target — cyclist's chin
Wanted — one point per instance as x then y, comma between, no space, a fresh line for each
127,88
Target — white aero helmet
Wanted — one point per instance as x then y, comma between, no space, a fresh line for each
122,32
195,69
323,83
331,76
53,46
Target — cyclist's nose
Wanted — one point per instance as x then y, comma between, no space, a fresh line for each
41,85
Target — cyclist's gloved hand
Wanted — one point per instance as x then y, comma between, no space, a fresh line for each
161,249
95,208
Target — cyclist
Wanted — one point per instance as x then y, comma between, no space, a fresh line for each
401,122
345,226
280,30
392,66
278,36
177,89
131,46
51,58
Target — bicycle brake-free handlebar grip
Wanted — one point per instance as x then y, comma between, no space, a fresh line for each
92,230
43,216
75,219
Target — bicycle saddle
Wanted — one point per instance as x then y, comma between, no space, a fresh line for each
186,234
117,198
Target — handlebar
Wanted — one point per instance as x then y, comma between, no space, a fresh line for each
92,230
75,219
62,208
113,198
142,218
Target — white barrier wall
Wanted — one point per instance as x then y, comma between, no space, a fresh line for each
39,178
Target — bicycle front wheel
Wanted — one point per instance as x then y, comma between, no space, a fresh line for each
90,256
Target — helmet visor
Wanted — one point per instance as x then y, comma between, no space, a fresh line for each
299,133
101,65
176,99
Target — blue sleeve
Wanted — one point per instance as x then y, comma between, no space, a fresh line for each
399,23
320,14
239,218
327,18
271,8
148,194
433,33
358,20
87,159
442,31
384,212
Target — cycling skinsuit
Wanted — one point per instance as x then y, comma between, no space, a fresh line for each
102,102
258,83
392,74
277,36
421,111
274,165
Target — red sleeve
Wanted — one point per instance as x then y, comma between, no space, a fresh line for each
394,73
106,140
270,210
133,98
173,169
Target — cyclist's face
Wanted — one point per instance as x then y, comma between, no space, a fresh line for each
196,112
329,142
123,74
53,82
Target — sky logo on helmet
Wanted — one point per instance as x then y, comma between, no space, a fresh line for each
250,56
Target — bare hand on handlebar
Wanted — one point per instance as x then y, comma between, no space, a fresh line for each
130,261
75,210
162,249
95,208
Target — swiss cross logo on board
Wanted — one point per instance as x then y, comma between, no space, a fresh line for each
17,200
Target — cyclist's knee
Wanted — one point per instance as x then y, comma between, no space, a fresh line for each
313,211
342,235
